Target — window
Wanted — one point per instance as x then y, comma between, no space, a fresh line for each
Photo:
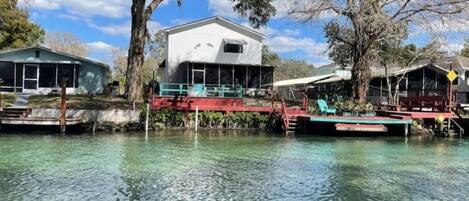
233,48
38,54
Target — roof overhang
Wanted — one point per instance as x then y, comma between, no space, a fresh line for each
235,41
210,20
303,81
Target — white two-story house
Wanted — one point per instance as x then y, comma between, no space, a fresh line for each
215,52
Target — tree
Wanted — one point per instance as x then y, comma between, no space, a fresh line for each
366,22
140,14
66,42
15,28
291,69
269,58
465,50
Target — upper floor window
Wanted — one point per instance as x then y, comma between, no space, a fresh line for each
233,48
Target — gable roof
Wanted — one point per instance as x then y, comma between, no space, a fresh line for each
210,20
105,66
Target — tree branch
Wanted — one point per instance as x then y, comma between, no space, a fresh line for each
151,7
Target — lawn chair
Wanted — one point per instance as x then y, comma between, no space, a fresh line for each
324,108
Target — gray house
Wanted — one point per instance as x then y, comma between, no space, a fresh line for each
40,70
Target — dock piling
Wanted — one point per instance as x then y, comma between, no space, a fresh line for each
63,106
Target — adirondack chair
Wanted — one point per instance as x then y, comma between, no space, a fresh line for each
324,108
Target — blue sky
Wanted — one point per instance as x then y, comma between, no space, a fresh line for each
104,25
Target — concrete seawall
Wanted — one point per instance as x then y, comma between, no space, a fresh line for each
102,120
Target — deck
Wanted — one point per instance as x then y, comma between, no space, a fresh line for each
40,121
376,124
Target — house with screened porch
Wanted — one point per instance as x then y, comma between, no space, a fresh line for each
40,70
213,54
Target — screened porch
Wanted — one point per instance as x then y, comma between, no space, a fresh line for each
38,78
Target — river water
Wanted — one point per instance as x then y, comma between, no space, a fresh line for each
243,165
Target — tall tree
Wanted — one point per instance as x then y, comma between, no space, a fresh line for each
368,22
141,13
16,30
66,42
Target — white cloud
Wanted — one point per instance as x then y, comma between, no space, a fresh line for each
114,29
84,8
100,46
222,8
40,4
315,51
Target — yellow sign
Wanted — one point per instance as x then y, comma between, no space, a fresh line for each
452,75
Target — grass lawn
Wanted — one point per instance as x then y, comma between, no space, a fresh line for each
8,99
80,102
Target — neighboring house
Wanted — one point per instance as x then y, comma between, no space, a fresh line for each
215,52
40,70
426,78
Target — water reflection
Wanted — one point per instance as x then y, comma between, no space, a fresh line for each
238,165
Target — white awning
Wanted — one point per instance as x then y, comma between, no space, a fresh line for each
234,41
302,81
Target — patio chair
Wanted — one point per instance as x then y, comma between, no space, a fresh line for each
324,108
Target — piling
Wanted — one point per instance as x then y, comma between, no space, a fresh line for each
63,107
146,119
196,118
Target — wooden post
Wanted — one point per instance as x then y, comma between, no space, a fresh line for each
63,106
146,119
450,89
196,117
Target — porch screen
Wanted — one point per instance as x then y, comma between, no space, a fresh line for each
47,75
240,75
254,77
267,76
65,71
226,75
211,74
7,74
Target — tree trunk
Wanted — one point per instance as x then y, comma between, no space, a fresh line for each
360,78
134,77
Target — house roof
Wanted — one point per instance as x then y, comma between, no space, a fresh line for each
209,20
395,71
303,81
105,66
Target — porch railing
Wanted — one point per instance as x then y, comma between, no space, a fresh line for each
169,89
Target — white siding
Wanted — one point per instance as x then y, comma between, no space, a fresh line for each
205,44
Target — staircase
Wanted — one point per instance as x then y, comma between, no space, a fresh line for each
293,126
15,112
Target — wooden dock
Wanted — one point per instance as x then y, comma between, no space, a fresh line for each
39,121
374,124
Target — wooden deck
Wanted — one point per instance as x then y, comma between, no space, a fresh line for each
39,121
361,120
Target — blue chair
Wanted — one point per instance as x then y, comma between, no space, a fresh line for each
324,108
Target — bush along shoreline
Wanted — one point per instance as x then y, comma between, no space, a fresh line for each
167,119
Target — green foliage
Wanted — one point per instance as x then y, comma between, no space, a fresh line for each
269,58
16,30
354,107
207,119
257,11
167,117
313,108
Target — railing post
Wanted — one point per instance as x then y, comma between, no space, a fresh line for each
180,89
161,89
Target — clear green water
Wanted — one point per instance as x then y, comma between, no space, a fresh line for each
236,166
